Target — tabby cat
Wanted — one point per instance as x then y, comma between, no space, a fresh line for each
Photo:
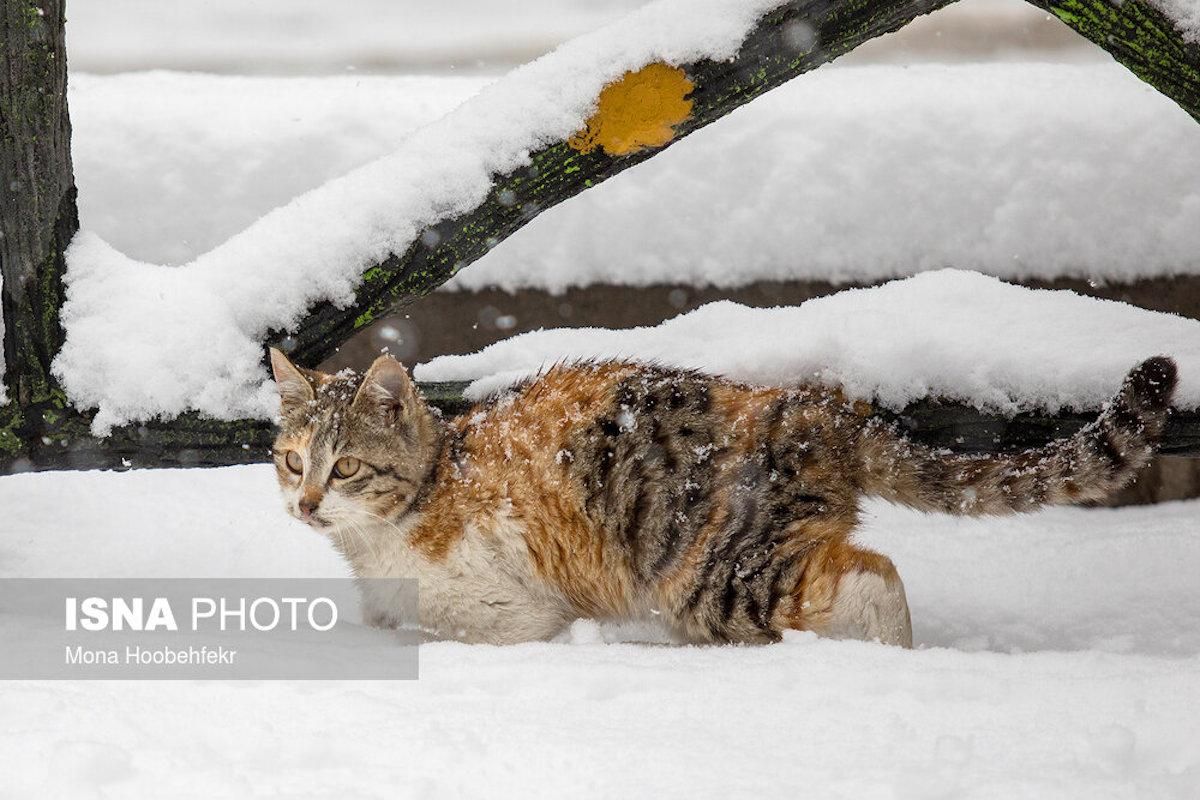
624,490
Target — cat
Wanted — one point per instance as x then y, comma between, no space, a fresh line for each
618,490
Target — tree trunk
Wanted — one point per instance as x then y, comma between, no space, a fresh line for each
37,208
38,428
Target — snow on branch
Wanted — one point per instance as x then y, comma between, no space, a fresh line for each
956,335
145,341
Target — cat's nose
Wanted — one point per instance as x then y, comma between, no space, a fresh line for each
308,505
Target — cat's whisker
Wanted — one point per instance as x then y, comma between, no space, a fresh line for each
385,521
366,538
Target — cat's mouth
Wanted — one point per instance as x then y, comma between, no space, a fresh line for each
317,523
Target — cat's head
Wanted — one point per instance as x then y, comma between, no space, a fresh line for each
351,449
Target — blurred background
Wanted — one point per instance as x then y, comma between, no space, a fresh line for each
314,37
193,119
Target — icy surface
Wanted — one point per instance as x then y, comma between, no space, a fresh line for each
1058,656
143,340
949,333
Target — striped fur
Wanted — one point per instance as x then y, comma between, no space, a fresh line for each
618,489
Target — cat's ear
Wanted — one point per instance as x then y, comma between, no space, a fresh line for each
386,389
294,387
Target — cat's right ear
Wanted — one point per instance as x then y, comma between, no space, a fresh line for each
294,388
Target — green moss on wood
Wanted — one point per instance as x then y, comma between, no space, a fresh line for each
38,429
1141,38
558,172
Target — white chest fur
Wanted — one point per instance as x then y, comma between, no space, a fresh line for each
483,590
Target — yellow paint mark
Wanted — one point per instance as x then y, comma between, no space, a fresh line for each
640,110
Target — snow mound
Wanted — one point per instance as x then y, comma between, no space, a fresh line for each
949,333
317,246
1075,673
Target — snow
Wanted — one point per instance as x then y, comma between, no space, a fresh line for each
934,175
310,36
1058,653
170,165
195,329
1058,656
803,183
1185,14
315,35
950,333
866,173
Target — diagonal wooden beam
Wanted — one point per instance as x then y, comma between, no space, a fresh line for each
40,430
795,38
1143,39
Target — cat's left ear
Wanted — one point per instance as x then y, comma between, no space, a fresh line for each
386,389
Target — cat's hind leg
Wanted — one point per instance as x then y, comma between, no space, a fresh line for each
850,593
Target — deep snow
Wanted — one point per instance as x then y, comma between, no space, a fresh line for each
953,334
1059,656
1059,652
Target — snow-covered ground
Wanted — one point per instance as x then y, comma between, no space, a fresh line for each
1058,656
1058,653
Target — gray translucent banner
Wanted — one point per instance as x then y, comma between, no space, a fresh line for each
198,628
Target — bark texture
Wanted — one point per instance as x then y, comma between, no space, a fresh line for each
38,428
37,212
1141,38
793,39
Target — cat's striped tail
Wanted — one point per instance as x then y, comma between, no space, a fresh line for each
1096,461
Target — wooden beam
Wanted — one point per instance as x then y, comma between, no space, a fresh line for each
38,427
793,39
1140,37
194,441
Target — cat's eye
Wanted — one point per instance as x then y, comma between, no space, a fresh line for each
294,462
346,466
